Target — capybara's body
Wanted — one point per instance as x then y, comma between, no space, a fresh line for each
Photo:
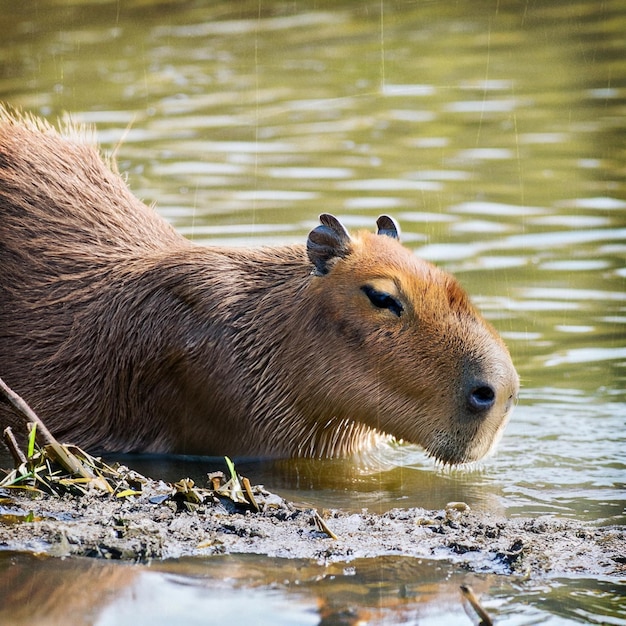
124,336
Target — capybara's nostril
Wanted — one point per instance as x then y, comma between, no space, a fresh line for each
481,398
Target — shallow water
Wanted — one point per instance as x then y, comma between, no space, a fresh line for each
494,132
256,590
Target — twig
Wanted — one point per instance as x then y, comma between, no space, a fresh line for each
65,457
247,487
321,525
468,594
14,449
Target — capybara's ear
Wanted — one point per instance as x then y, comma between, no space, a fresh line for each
388,226
327,242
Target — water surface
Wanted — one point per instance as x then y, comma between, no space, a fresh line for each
493,131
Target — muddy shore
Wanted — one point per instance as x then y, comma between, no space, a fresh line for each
153,525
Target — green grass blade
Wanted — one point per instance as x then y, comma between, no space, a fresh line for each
31,441
231,468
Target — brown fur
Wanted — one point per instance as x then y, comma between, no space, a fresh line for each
124,336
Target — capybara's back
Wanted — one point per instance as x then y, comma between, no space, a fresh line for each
124,336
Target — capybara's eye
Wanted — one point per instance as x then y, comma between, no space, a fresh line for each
383,300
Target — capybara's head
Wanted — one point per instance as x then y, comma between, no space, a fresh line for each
414,357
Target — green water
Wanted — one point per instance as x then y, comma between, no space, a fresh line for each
494,131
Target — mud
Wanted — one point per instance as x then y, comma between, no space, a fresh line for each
154,525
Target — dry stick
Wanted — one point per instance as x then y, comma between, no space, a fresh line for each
9,439
468,593
248,489
321,524
65,457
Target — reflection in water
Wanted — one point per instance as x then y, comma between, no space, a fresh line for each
493,132
45,591
258,590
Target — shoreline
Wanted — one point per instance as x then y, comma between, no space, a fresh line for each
153,524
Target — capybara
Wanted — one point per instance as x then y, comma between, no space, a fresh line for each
125,336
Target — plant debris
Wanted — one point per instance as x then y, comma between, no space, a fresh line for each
41,470
60,469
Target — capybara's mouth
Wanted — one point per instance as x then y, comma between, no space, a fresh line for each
455,449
